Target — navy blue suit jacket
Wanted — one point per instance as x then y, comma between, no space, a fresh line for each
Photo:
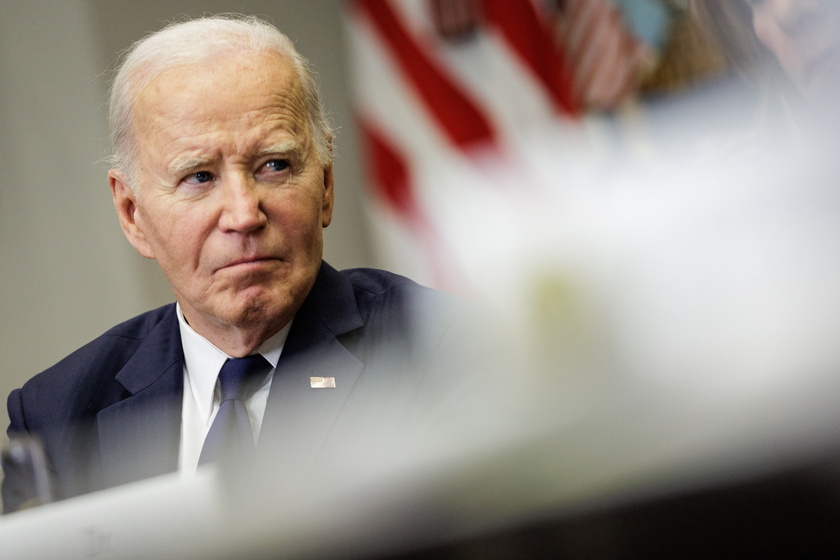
110,413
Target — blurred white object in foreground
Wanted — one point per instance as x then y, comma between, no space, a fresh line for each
707,297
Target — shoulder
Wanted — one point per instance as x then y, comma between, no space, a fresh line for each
378,283
379,292
120,342
138,327
366,298
401,314
91,369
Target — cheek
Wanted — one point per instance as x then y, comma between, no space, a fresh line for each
305,227
173,238
300,215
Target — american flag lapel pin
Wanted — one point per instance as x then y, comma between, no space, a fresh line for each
322,382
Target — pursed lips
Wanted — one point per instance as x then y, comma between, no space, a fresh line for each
249,261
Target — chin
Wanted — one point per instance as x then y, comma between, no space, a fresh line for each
272,299
263,309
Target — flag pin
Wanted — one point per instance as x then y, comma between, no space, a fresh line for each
322,382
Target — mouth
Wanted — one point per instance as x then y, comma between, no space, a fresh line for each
250,263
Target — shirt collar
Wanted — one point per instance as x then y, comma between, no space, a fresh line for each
203,360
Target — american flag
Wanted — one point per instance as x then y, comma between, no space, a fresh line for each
447,83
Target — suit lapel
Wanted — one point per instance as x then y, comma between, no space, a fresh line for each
140,435
298,417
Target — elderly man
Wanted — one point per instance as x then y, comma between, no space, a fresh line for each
222,172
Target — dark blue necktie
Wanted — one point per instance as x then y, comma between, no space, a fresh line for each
230,439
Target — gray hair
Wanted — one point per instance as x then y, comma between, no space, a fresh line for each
194,41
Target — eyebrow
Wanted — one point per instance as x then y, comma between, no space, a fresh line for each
284,147
180,166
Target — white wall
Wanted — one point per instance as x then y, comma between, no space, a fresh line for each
67,273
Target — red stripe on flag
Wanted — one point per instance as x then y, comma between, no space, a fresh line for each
389,171
533,40
392,180
460,119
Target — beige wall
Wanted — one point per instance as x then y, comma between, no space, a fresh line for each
67,273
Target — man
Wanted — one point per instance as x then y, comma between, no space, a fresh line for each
222,172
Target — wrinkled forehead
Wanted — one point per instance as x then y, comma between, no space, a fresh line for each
220,89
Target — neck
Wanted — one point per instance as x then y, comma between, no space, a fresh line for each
235,340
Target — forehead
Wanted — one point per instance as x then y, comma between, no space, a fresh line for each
237,94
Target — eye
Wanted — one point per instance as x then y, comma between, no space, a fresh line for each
276,165
199,177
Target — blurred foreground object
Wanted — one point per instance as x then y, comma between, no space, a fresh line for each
25,457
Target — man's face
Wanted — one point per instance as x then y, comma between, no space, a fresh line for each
231,198
804,36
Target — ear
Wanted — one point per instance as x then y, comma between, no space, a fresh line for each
125,202
329,196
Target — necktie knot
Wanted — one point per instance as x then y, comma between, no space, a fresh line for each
239,377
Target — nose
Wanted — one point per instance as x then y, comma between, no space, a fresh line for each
242,210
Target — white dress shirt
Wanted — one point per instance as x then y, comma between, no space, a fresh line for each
202,362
